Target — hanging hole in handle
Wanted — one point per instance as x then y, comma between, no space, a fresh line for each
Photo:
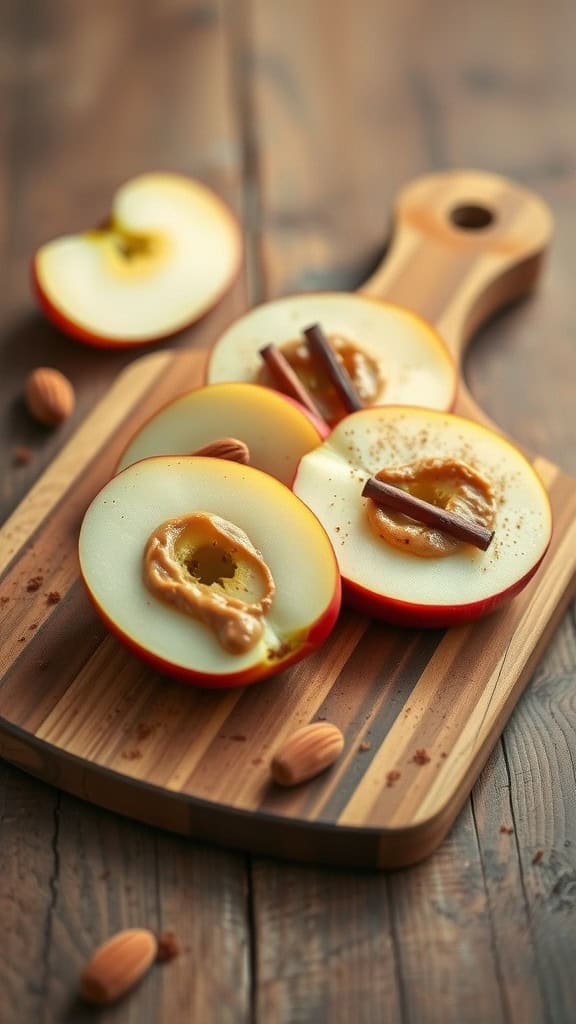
472,217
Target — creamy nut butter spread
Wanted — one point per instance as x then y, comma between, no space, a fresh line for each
362,367
209,569
446,483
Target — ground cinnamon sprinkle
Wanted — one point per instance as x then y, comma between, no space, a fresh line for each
168,947
131,755
421,757
4,600
537,856
53,597
34,583
392,777
143,730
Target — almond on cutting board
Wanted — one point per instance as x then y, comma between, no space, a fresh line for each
306,753
118,964
49,396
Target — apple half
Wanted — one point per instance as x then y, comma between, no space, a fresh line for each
392,355
386,582
277,431
292,543
167,253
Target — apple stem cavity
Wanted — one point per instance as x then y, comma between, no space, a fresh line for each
319,346
424,512
287,379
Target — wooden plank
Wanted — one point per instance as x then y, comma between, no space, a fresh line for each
89,99
28,878
325,946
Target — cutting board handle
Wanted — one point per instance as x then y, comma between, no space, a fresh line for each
464,244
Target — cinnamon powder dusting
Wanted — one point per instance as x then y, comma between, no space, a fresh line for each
168,947
421,757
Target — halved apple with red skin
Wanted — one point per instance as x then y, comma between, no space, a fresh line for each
402,588
277,430
392,355
167,253
291,541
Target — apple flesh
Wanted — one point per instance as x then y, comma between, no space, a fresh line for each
388,583
277,431
292,543
167,253
407,362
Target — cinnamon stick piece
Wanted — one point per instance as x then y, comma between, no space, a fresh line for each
319,346
286,378
423,512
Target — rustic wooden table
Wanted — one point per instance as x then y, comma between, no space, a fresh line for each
307,118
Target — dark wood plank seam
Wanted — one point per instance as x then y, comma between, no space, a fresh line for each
432,123
252,951
506,1009
397,947
53,885
239,25
521,877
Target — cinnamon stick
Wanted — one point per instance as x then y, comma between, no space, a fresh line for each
319,346
423,512
286,378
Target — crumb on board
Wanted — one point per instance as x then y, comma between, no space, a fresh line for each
537,856
392,777
168,947
421,757
506,830
365,745
132,755
143,730
22,455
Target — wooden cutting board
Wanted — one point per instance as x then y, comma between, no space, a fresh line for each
79,711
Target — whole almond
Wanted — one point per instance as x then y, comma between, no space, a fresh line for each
118,964
229,448
49,395
306,753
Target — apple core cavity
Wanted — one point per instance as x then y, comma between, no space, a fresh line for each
209,569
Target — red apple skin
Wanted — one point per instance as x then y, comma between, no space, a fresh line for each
433,616
318,632
74,330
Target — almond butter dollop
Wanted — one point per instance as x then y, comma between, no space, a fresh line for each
208,568
446,483
362,367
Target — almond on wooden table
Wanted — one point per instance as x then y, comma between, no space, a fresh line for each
118,964
49,395
306,753
229,448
